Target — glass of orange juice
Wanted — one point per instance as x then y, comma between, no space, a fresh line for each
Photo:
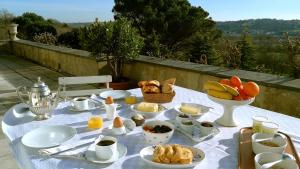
130,99
95,122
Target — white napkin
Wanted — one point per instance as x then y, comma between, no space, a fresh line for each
63,148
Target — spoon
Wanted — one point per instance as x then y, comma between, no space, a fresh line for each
267,139
271,164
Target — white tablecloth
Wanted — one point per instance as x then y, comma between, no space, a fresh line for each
221,151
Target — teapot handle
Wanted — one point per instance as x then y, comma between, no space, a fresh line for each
21,91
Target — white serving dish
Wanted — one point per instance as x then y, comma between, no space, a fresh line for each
48,136
158,138
227,119
115,94
196,135
279,139
204,109
268,157
146,115
147,153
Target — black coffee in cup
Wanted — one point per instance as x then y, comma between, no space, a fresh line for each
105,143
80,99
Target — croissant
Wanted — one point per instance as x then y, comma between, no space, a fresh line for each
172,154
151,89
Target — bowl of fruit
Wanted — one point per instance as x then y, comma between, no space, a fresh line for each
231,93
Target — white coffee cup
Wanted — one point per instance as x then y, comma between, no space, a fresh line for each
106,151
257,123
81,103
269,127
111,111
206,127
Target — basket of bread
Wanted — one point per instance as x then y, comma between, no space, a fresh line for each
158,92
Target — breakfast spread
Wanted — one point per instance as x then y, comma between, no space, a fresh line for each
232,89
147,107
189,109
172,154
138,119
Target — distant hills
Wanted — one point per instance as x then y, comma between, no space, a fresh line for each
272,27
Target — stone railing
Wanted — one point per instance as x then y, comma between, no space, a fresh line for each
278,93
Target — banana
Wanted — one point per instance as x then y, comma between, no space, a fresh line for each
213,85
219,94
231,90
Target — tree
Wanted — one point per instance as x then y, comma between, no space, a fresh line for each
292,49
70,39
116,42
31,24
247,59
171,23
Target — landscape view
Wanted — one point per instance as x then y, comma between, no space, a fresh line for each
149,84
182,31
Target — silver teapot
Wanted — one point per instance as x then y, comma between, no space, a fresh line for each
39,98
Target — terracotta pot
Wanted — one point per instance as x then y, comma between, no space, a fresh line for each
122,85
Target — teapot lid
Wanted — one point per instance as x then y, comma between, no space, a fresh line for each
40,87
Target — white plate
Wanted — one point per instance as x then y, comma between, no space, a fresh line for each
147,152
49,136
161,109
204,109
90,154
196,135
115,94
92,106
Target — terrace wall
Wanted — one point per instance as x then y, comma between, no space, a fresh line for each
278,93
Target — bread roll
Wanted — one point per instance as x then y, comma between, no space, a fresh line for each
172,154
147,107
151,89
167,88
153,83
142,83
170,81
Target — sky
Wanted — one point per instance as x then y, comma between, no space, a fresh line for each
219,10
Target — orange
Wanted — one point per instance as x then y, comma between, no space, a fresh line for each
238,97
251,89
225,81
235,81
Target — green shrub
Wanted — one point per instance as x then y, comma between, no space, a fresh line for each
69,39
46,38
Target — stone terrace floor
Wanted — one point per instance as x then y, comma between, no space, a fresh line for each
16,72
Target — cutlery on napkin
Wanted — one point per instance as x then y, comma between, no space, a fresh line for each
60,149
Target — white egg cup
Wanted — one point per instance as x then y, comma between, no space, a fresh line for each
227,119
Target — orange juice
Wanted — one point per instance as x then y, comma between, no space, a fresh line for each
130,99
95,123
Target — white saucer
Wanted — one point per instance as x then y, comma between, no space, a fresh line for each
115,94
90,154
92,106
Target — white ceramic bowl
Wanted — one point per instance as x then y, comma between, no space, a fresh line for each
278,139
180,119
148,115
186,127
158,138
263,158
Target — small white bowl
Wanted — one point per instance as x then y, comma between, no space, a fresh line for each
205,130
268,157
148,115
158,138
187,127
278,139
180,119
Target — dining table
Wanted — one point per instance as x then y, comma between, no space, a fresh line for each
221,151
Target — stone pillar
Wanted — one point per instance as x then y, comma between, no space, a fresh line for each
13,31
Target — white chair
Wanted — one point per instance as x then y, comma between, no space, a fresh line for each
64,81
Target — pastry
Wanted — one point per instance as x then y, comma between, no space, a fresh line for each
172,154
142,83
151,89
167,88
109,100
188,109
170,81
138,119
147,107
153,83
118,122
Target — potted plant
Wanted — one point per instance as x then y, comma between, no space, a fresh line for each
115,42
